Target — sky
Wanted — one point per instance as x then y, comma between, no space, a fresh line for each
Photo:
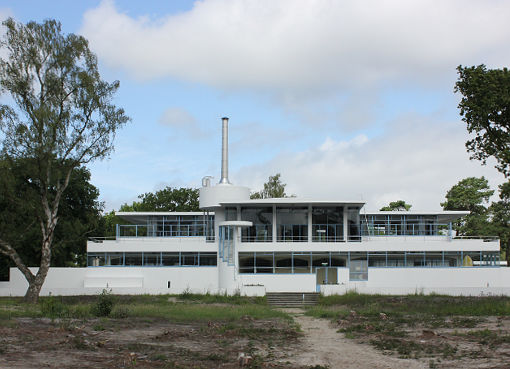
348,100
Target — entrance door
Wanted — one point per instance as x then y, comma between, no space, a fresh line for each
326,276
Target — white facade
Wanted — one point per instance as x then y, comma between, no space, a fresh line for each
238,245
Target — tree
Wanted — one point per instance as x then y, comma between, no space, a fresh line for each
273,188
62,118
167,199
80,215
470,194
399,205
500,214
485,107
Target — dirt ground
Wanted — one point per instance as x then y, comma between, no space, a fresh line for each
157,343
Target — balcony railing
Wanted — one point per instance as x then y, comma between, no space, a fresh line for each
409,229
143,230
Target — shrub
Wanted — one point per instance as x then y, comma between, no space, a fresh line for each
104,304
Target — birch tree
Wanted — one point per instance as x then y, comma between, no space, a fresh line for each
61,117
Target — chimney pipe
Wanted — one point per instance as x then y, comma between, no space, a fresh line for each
224,151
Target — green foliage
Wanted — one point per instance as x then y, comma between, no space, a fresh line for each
273,188
485,108
500,219
471,194
79,210
53,308
167,199
62,117
104,304
399,205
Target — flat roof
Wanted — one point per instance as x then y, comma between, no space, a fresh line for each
292,201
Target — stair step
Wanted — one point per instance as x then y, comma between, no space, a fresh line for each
292,299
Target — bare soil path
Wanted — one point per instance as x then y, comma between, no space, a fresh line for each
323,345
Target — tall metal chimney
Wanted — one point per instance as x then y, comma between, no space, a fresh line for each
224,151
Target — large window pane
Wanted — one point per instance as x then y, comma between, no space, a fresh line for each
96,259
292,224
133,259
262,228
171,259
302,262
264,262
283,262
151,258
247,262
208,259
189,258
115,258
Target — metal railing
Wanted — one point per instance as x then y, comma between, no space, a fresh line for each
407,229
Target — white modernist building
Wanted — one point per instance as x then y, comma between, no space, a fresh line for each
239,245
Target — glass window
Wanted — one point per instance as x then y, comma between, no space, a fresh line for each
396,259
170,259
151,258
320,260
452,258
246,262
96,259
358,266
302,262
327,224
230,213
262,228
189,258
292,224
415,259
264,262
377,259
115,258
208,259
339,259
353,224
434,259
133,259
283,262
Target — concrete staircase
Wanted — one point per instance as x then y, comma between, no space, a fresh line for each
292,299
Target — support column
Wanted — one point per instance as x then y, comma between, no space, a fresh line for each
310,227
274,224
346,224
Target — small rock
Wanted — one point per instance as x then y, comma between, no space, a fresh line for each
244,360
383,316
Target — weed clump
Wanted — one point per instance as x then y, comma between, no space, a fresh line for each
104,304
52,308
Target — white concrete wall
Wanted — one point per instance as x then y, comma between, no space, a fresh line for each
153,244
122,280
138,280
259,284
450,281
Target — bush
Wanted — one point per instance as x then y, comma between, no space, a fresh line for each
104,304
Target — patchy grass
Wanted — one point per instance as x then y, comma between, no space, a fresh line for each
191,307
419,326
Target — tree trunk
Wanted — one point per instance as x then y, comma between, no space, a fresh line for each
34,288
507,254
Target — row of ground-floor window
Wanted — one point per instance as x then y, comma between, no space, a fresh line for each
153,259
308,262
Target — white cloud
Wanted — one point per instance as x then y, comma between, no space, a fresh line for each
417,160
303,47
